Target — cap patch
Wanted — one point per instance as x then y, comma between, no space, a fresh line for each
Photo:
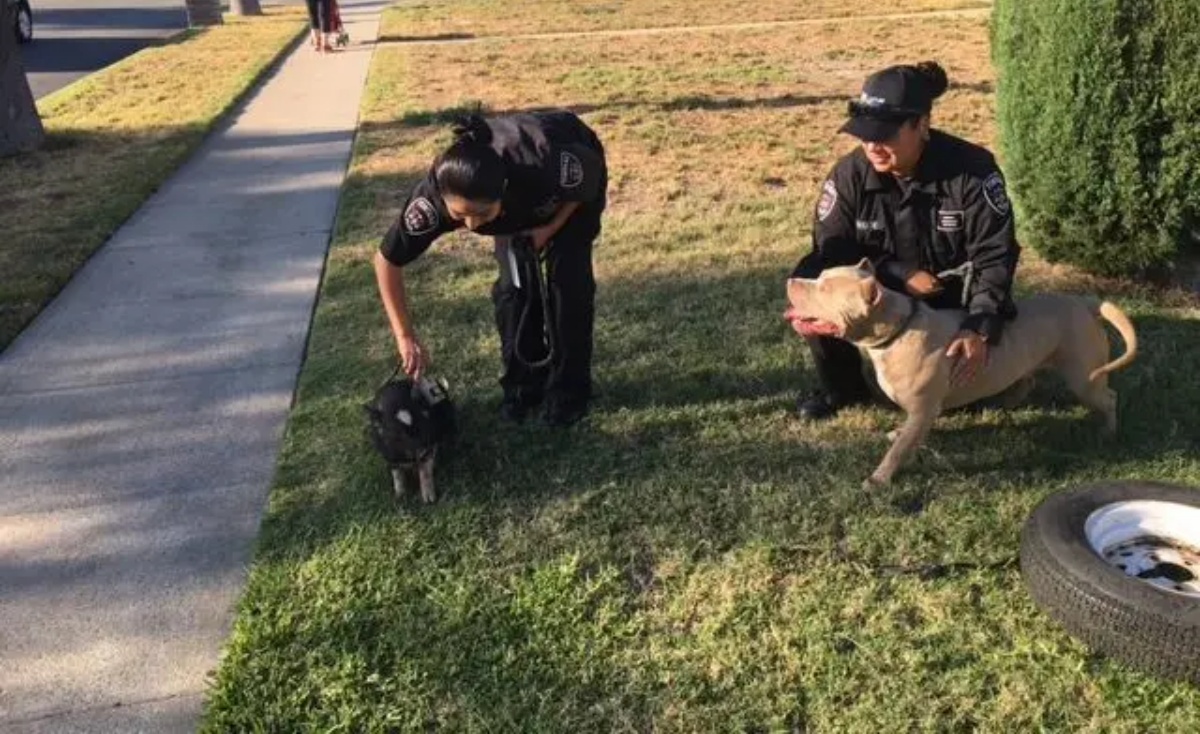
421,217
997,198
570,170
871,100
827,201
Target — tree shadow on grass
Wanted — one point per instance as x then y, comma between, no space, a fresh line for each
696,377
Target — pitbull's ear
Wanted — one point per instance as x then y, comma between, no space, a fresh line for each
871,292
865,264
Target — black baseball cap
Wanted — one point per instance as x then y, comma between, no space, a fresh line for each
889,98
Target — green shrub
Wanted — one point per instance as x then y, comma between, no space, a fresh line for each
1099,110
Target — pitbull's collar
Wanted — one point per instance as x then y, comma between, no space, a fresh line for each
900,328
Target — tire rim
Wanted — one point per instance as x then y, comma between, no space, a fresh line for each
1155,542
25,25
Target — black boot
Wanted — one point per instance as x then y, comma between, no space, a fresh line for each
517,404
819,406
565,412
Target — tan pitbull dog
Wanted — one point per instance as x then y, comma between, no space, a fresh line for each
907,340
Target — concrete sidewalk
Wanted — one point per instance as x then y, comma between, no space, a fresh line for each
141,413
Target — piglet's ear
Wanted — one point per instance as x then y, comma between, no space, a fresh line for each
866,265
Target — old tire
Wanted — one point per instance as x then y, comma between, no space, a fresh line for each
1118,565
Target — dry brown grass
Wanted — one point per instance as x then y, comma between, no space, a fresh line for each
477,18
717,141
734,128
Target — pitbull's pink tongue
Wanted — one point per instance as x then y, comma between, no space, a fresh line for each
824,328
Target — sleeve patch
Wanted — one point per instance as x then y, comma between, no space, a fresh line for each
995,195
421,217
570,170
828,199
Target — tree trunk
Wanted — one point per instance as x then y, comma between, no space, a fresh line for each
203,12
20,126
245,7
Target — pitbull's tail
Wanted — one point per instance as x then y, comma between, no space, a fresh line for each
1115,316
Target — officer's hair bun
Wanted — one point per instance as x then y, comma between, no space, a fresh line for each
471,129
935,77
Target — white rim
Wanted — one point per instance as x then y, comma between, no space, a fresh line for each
1155,542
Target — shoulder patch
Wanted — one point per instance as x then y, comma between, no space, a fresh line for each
828,200
421,217
994,193
570,170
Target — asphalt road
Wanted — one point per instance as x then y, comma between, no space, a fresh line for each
73,38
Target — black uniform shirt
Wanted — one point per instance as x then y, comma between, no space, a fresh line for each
953,209
549,158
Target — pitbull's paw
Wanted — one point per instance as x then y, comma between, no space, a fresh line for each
875,482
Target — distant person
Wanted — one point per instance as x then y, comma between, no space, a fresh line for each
321,22
536,178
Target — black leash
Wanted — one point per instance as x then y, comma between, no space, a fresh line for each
531,268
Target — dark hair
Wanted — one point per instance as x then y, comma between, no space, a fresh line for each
934,76
470,168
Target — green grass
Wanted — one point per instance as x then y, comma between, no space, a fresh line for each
111,140
691,559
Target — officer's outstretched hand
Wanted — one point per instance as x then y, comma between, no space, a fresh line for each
969,352
412,355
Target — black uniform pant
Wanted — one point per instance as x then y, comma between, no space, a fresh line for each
320,15
840,369
572,295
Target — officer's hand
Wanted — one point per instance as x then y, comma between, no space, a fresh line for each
923,284
541,237
412,355
969,352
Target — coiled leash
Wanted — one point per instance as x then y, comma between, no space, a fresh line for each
528,266
966,271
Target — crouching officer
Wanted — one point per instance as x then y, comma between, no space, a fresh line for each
530,180
929,210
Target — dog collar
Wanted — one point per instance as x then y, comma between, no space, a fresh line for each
900,328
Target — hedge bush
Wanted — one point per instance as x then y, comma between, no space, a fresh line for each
1099,111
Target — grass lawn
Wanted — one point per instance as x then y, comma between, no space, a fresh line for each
111,139
691,559
460,19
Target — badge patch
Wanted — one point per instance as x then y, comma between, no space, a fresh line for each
997,198
828,199
570,170
421,217
865,226
949,221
